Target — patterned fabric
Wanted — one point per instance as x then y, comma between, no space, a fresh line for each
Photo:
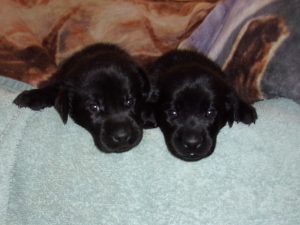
242,36
38,34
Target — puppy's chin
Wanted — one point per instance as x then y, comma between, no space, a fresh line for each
191,157
119,149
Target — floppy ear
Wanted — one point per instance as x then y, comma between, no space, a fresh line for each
238,110
149,106
145,84
62,104
148,116
37,99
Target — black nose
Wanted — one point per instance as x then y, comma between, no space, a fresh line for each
192,141
121,136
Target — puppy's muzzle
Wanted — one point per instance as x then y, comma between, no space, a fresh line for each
192,141
191,144
121,134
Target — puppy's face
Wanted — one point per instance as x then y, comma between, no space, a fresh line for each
192,108
107,103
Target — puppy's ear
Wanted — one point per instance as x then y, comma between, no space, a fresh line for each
144,81
151,95
37,99
148,116
62,104
238,110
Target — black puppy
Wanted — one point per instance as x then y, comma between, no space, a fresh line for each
193,103
103,90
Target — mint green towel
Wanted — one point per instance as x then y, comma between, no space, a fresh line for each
51,173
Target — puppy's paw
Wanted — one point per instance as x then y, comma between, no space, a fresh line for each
32,99
239,110
247,114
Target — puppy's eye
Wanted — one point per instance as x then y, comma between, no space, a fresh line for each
211,113
129,102
94,107
172,113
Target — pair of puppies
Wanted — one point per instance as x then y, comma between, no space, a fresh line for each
103,90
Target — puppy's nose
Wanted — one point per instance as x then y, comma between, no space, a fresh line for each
121,136
192,142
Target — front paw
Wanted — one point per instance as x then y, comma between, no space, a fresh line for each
31,99
247,114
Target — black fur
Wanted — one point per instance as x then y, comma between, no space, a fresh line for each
192,103
103,90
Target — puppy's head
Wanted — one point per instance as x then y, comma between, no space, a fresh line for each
103,90
107,102
193,106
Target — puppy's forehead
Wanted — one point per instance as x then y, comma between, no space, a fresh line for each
109,84
194,98
190,87
107,80
193,94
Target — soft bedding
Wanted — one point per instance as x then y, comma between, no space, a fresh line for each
51,173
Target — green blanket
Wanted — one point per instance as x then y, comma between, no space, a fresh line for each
51,173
